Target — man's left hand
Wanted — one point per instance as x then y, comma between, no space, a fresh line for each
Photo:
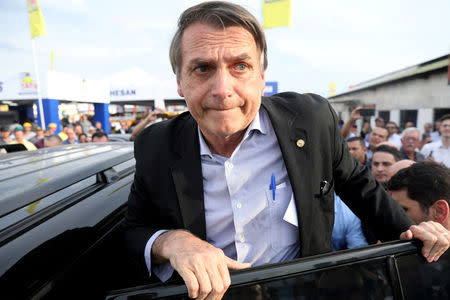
435,238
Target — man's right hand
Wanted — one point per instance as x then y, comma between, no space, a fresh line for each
203,267
355,115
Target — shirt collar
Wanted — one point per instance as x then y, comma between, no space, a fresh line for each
259,124
441,145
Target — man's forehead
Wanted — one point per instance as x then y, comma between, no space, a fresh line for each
412,134
202,38
380,131
383,156
354,144
401,195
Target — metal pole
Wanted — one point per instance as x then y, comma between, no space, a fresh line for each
36,71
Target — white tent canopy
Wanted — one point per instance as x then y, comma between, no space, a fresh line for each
54,85
132,85
136,85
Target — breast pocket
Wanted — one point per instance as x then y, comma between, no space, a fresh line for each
326,199
282,233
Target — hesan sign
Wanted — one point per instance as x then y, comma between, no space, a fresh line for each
132,92
122,92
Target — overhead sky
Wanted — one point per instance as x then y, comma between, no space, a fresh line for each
345,42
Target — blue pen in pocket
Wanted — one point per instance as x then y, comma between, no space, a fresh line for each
273,186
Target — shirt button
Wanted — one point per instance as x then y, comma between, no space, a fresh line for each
242,239
239,205
228,165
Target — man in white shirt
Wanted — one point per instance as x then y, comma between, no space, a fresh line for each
440,151
393,135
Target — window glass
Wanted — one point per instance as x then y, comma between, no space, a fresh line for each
422,280
367,280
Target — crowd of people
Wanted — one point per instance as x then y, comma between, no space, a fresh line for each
33,137
411,142
412,167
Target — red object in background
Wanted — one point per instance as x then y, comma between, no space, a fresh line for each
448,70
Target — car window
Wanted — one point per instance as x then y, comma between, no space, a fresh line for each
432,282
367,280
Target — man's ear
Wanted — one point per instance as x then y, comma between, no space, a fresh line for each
180,92
263,83
440,211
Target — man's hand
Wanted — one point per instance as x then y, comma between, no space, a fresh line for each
355,115
203,267
152,116
435,238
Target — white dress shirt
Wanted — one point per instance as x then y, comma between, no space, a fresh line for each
242,217
438,152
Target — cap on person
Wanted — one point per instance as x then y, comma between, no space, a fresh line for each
18,128
26,124
52,125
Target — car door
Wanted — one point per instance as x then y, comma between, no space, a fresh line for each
375,272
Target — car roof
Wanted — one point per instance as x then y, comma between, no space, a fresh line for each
119,137
29,176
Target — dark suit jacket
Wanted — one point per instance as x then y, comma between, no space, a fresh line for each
167,192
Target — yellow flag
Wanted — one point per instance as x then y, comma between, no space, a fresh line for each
52,58
276,13
37,24
332,88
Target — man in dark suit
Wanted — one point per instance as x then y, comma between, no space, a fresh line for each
241,178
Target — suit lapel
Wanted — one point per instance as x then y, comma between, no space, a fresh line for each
187,178
295,147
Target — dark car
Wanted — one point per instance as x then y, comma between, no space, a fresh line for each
61,211
60,217
394,270
116,137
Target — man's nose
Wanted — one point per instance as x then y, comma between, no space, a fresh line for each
221,86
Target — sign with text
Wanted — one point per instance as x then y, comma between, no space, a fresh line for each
271,88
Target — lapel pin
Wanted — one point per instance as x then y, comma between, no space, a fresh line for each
300,143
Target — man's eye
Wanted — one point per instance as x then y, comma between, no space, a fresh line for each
201,69
241,67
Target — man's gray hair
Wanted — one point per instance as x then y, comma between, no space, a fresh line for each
53,138
411,129
220,15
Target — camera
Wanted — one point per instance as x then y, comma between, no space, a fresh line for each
367,112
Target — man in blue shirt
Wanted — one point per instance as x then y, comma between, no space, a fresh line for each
347,231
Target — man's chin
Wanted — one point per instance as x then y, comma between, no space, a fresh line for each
381,179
